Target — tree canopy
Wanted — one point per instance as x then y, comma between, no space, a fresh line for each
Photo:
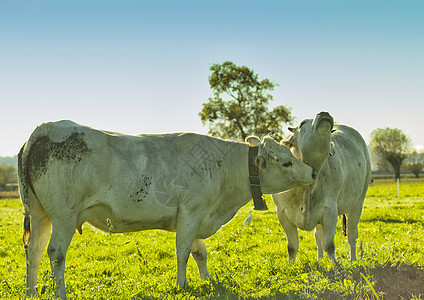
240,104
392,145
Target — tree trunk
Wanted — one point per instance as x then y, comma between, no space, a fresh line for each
397,173
396,169
396,162
243,134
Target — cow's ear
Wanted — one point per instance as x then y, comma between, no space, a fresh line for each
260,162
292,129
288,141
253,141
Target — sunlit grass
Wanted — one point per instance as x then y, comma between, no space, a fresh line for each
245,261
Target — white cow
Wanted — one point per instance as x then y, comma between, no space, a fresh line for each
340,156
188,183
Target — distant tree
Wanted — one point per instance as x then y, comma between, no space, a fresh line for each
415,163
415,168
245,109
392,145
7,174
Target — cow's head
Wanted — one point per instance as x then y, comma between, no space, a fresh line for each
279,170
311,140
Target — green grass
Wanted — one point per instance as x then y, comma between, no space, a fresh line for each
245,262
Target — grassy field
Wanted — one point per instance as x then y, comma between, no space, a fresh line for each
245,261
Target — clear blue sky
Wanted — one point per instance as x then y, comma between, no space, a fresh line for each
143,66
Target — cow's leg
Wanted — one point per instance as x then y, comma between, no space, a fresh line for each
40,232
62,233
318,239
186,232
292,234
329,225
353,217
198,251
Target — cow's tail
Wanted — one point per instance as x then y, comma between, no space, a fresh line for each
23,191
344,225
24,180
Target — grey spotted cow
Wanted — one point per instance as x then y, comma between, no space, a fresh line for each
340,156
188,183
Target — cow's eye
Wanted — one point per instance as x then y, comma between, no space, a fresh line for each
287,164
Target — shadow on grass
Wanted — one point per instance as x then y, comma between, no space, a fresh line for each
224,287
391,280
398,281
214,288
392,221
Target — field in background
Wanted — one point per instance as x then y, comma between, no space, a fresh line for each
245,261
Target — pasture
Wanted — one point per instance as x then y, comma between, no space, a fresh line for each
245,261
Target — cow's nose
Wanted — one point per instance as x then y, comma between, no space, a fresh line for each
314,174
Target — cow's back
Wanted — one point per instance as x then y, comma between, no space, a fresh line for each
352,146
349,169
350,139
68,143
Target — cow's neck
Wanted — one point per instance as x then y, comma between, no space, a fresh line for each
309,191
239,174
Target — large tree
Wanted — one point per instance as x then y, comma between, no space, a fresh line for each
392,145
240,104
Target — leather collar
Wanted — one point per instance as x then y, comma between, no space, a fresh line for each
254,181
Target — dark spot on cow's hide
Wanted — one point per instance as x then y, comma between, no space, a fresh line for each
219,162
73,148
142,188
